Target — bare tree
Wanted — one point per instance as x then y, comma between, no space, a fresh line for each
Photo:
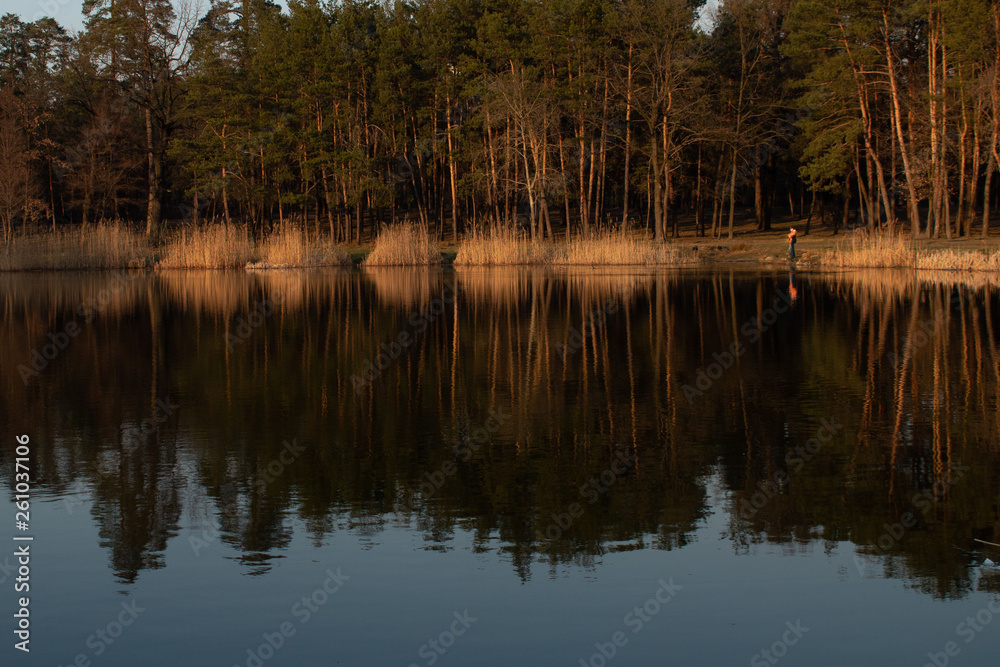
15,170
526,105
144,45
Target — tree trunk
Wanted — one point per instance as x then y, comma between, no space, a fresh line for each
155,176
970,198
760,197
628,137
912,208
657,193
990,166
699,220
452,174
732,196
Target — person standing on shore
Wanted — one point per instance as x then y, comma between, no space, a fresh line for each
791,243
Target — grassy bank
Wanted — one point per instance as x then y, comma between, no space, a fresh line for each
105,246
117,246
403,245
607,248
886,250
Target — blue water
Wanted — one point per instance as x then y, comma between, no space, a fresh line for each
188,545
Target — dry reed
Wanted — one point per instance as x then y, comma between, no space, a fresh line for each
403,245
290,248
888,250
620,248
617,247
108,245
954,260
881,250
500,246
214,247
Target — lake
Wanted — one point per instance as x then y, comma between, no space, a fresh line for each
507,466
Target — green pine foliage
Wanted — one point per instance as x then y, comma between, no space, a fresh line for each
550,118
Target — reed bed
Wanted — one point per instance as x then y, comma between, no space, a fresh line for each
290,248
500,246
955,260
882,250
403,245
887,250
213,247
115,245
619,247
108,245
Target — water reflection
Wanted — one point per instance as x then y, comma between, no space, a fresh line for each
560,415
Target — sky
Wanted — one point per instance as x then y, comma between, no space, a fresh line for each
69,13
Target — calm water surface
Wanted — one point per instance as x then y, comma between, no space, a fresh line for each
419,467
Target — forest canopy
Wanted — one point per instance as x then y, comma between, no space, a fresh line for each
557,115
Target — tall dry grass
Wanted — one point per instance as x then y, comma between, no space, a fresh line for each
618,247
290,248
889,250
212,247
500,246
403,245
955,260
108,245
872,251
115,245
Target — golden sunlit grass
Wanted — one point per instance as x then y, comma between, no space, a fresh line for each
882,250
499,246
111,245
116,245
214,247
290,248
953,260
619,247
403,245
888,250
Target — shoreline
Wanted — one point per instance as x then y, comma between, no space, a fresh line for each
114,247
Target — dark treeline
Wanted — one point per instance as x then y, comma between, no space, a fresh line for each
562,115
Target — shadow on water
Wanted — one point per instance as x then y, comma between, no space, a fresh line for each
557,414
